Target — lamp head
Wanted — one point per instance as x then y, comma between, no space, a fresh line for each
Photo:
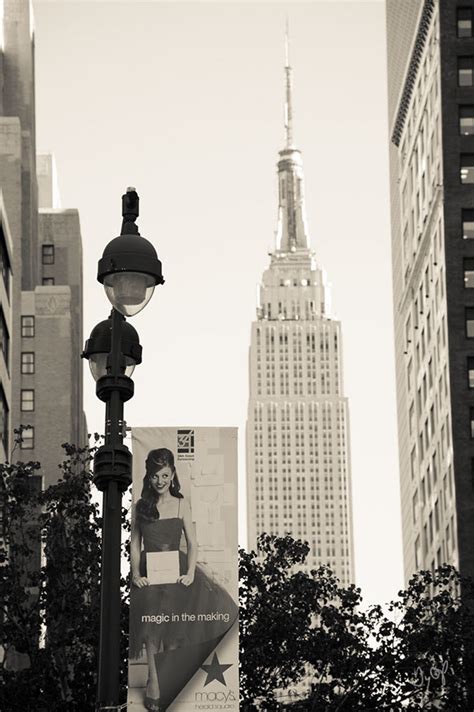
98,346
129,268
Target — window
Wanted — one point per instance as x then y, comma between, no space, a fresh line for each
470,322
48,281
411,418
415,506
413,462
464,22
472,421
27,362
3,419
468,264
466,120
47,254
470,371
4,262
27,326
467,168
28,438
4,339
468,224
465,71
27,399
417,553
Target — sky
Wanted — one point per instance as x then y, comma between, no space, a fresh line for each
184,101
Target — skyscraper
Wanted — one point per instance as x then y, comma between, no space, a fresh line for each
298,465
431,121
41,258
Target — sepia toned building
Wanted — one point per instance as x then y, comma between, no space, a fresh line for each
431,123
40,248
298,461
6,259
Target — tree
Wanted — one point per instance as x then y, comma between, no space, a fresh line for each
50,605
413,654
294,625
275,615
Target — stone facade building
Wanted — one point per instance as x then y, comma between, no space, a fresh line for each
431,121
298,463
42,315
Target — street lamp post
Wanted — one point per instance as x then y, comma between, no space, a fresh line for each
129,270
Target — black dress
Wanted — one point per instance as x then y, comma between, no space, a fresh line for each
213,609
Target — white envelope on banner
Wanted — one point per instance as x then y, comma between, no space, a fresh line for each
162,566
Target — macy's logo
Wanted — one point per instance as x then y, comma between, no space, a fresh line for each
221,696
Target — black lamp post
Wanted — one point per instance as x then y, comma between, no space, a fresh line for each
129,270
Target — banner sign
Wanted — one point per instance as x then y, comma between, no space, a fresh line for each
183,645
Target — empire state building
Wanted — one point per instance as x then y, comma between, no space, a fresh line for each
298,462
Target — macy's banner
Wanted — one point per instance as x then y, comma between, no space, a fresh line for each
183,647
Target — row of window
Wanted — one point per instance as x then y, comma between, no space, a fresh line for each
28,434
296,283
424,84
27,358
443,447
283,357
306,312
420,158
466,127
326,409
315,335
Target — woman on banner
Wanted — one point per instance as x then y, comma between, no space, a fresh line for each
174,604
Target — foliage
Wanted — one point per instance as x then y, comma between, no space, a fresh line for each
50,587
298,625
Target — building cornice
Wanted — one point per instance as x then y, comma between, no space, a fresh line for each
413,66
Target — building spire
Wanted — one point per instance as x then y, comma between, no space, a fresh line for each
292,233
288,104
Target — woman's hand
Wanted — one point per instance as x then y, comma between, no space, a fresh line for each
186,580
140,581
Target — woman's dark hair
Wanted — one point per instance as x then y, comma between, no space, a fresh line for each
155,461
